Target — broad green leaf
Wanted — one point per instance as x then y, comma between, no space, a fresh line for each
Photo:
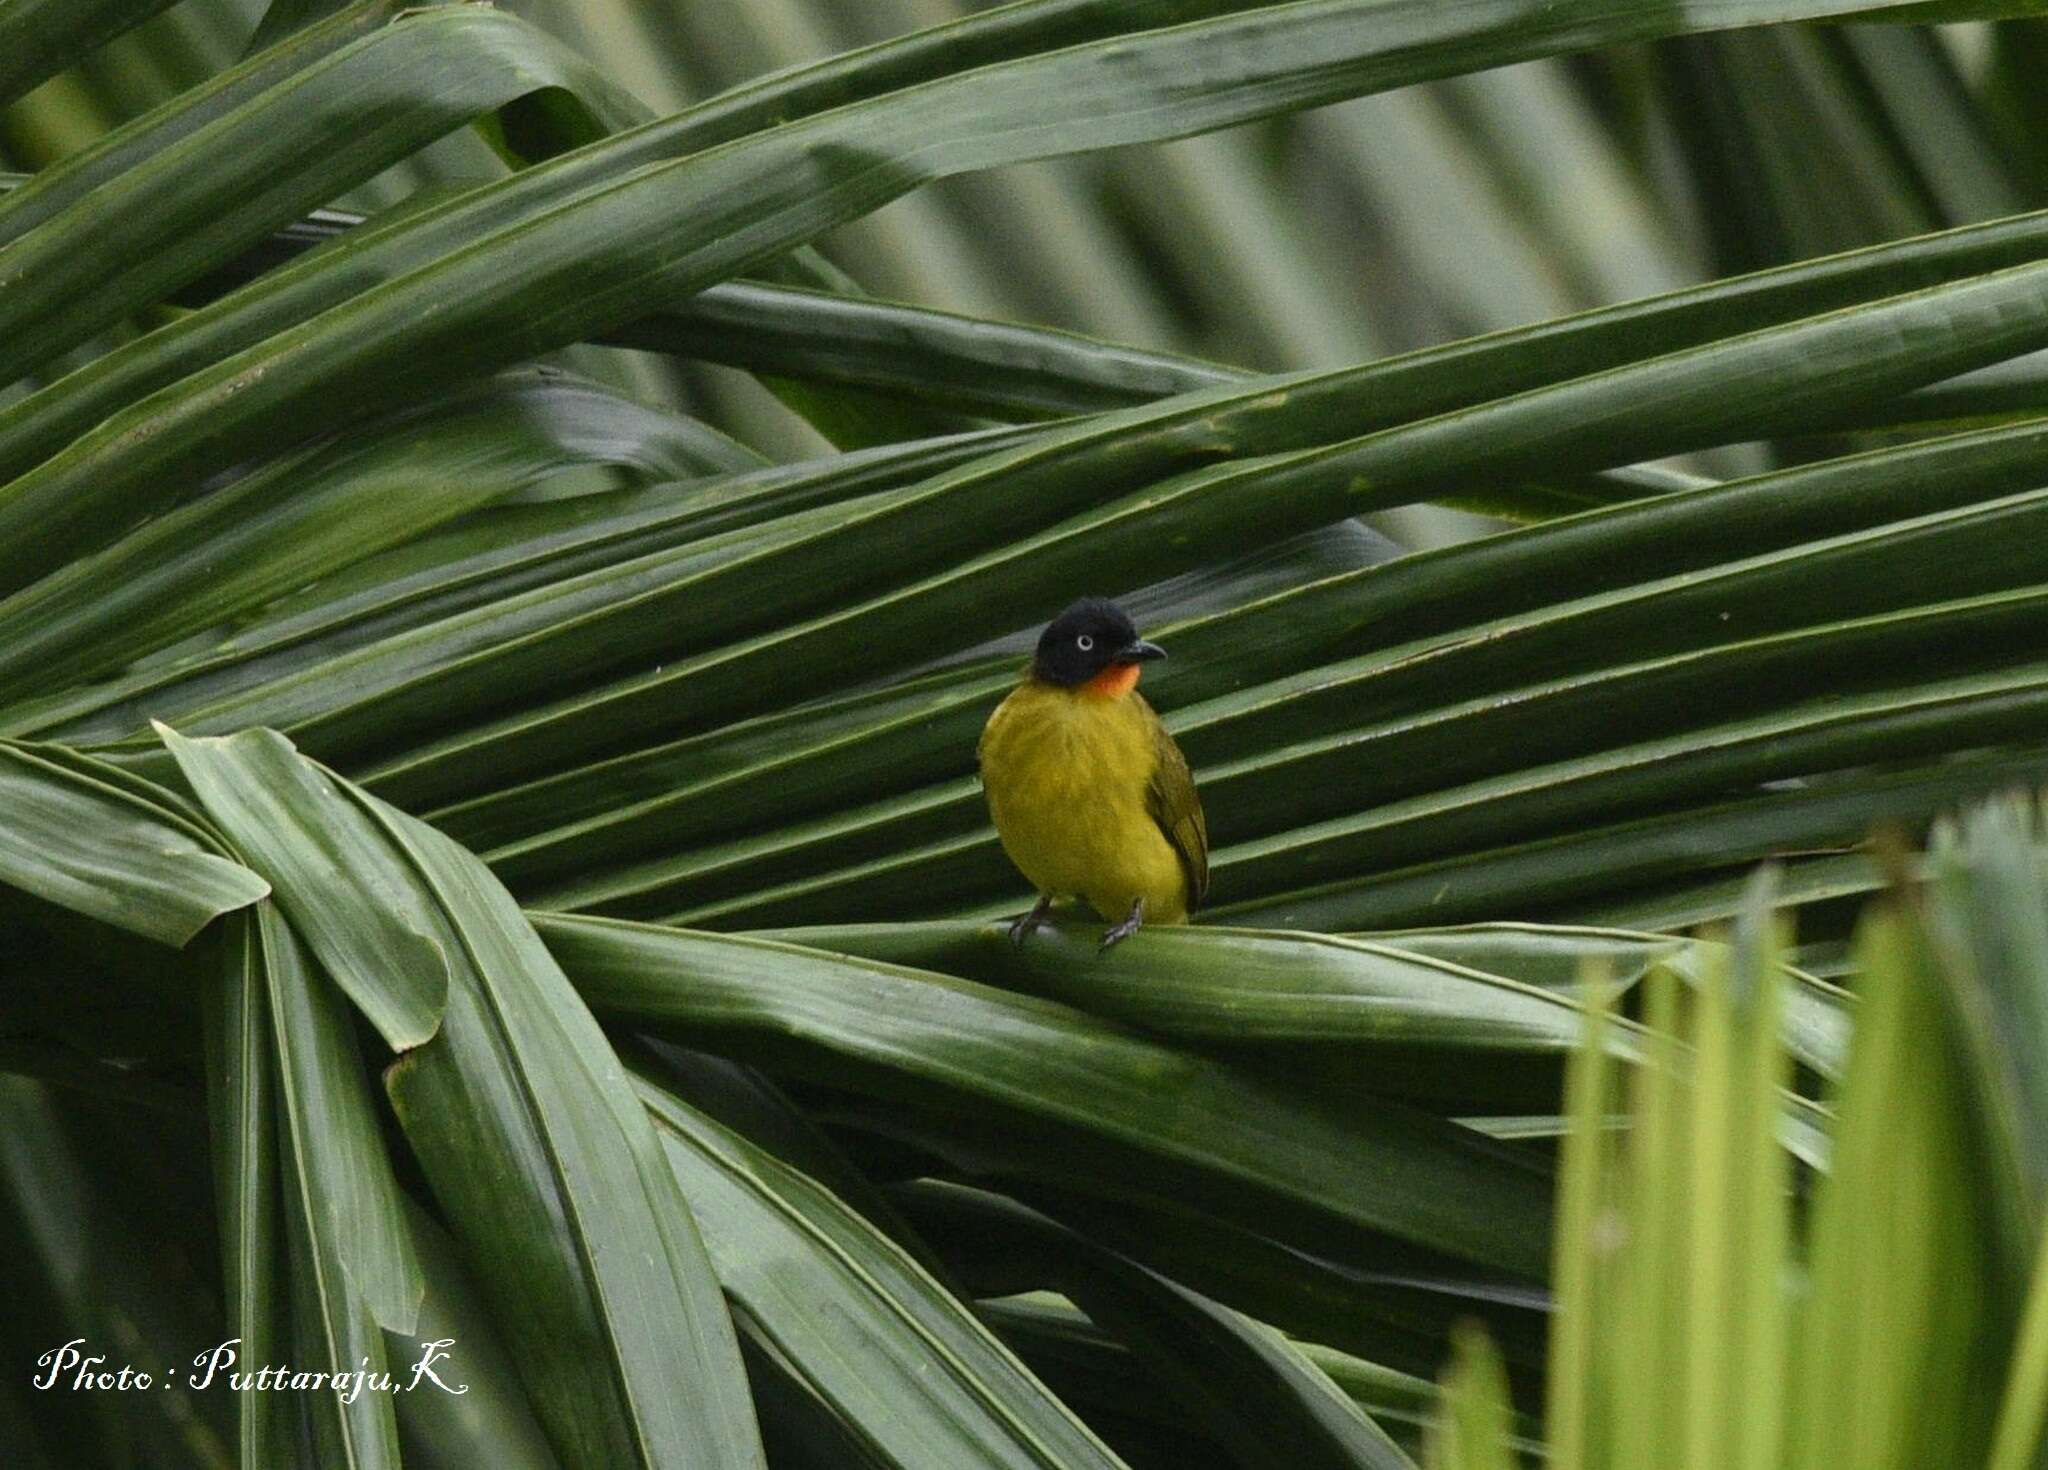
1809,738
306,138
41,37
304,516
2006,391
94,839
1588,1102
554,1182
242,1103
1474,1431
285,18
1350,1018
1002,34
1988,924
1564,958
489,557
1797,122
340,1172
1008,369
1895,1357
1456,991
745,1101
741,778
1164,527
387,344
334,871
1954,151
931,730
1673,1205
1812,877
906,1365
31,200
488,1421
1292,708
1569,958
1235,986
353,1267
1649,849
1000,369
935,1037
622,1339
2023,1412
937,840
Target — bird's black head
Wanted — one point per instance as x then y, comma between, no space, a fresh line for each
1092,636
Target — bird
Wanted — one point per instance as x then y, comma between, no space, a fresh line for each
1090,796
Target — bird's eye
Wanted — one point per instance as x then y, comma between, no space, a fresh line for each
1084,643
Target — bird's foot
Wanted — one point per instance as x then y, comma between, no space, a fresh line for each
1021,929
1117,933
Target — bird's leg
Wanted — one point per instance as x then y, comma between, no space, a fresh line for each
1021,930
1118,933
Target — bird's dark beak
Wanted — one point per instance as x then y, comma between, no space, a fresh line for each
1139,652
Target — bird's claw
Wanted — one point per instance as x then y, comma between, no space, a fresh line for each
1020,929
1117,933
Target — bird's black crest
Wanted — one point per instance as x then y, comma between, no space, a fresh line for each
1083,641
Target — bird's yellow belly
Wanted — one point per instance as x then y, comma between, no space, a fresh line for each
1066,785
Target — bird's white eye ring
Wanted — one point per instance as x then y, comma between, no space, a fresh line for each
1084,643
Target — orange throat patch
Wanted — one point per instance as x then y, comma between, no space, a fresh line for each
1113,682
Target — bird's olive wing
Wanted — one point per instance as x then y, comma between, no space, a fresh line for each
1171,799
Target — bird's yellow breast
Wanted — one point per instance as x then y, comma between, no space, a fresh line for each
1066,774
